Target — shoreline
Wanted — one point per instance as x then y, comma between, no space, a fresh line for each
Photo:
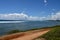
28,33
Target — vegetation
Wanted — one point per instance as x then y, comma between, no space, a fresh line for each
54,34
13,31
16,31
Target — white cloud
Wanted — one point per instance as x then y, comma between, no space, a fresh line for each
22,16
33,18
56,16
53,16
45,1
14,16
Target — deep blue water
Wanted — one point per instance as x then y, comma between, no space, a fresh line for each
6,26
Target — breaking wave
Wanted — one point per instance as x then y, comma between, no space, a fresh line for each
11,21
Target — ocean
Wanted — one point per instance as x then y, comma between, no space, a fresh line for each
6,26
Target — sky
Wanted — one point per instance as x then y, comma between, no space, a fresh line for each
30,9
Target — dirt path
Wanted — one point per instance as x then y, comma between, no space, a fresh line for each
29,35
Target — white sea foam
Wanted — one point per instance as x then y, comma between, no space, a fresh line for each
11,21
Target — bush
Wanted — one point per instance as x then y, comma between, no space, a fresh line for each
13,31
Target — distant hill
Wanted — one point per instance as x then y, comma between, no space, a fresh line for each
27,20
57,20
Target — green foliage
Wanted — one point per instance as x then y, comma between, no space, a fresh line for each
13,31
54,34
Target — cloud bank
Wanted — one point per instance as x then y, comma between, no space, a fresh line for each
22,16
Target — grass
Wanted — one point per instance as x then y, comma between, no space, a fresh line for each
54,34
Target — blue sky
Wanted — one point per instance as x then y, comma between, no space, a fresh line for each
35,8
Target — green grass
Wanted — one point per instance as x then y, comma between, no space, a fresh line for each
54,34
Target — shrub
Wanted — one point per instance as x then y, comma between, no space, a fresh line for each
13,31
